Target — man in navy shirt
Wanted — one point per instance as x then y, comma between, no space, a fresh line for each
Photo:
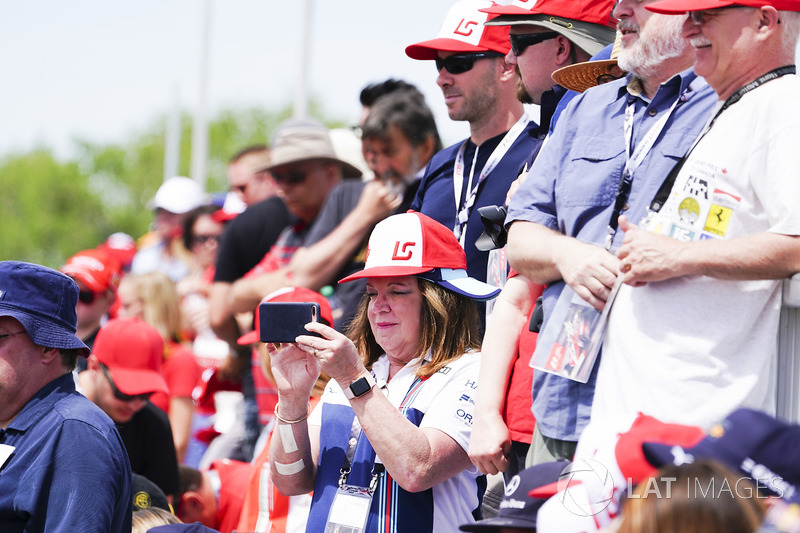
480,86
63,467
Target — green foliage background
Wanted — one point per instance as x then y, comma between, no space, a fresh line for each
51,209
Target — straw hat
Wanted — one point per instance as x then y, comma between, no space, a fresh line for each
580,76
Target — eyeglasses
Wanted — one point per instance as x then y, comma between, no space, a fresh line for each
521,41
118,394
461,63
204,239
4,335
701,17
87,297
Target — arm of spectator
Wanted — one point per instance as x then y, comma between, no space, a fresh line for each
425,456
180,418
316,265
649,257
544,256
294,450
246,293
490,441
221,318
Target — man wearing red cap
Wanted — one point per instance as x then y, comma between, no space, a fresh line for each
566,212
693,331
479,87
547,35
97,275
124,370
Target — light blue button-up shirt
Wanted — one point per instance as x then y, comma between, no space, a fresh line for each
571,189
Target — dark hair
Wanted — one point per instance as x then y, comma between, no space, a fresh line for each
69,357
700,497
189,480
449,328
370,94
407,111
252,149
189,220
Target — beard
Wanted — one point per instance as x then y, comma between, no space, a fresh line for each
522,93
660,40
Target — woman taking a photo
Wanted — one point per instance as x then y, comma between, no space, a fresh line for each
388,442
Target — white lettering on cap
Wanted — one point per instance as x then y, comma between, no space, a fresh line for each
464,23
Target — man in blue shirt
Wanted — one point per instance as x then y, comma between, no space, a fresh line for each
63,467
561,217
479,87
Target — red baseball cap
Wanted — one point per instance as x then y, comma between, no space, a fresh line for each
94,268
413,244
132,350
586,23
680,7
463,30
622,451
121,247
629,453
290,294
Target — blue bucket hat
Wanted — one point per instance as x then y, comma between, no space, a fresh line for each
44,301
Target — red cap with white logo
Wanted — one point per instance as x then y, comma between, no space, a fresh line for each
463,30
679,7
94,268
413,244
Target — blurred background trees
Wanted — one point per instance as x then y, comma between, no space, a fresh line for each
52,208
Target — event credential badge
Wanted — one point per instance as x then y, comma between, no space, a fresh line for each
570,342
350,510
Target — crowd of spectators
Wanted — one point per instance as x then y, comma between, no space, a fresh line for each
635,237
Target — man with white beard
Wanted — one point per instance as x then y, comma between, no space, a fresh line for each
609,153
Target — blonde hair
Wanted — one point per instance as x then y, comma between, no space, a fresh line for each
160,302
449,328
145,519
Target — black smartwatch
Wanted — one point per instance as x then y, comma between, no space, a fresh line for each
359,387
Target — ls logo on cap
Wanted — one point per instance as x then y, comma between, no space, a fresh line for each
467,27
404,249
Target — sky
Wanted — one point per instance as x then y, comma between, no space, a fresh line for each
101,70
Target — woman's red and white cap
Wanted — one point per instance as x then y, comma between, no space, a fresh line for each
413,244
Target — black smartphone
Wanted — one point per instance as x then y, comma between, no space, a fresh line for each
284,321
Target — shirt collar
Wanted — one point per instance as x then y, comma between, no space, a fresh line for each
550,101
43,402
681,83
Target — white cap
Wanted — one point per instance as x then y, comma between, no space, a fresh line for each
178,195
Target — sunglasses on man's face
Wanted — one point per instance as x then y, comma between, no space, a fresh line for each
295,177
118,394
461,63
521,41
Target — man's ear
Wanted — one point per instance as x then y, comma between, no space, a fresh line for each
508,72
191,506
564,54
50,354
